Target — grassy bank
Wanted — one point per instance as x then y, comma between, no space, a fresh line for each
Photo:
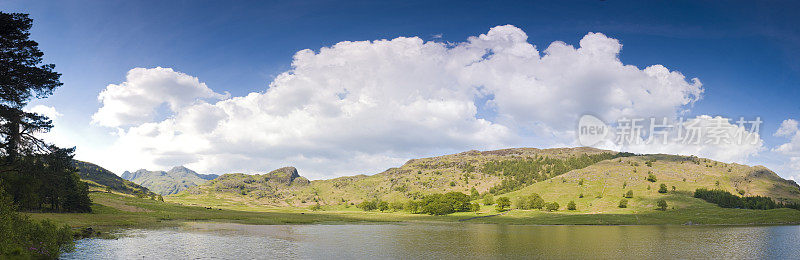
113,211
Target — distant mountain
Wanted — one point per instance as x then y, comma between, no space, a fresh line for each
168,182
99,178
279,183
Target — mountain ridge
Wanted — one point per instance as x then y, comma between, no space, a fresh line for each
174,180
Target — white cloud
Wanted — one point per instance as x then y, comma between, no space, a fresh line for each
717,138
791,149
47,111
360,107
138,99
789,130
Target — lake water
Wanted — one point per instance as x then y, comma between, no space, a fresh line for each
450,241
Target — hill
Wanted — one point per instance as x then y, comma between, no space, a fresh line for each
99,178
600,187
558,175
168,182
456,172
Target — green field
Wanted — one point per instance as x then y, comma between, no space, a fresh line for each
113,211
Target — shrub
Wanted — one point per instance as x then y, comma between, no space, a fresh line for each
571,205
580,182
552,206
661,205
503,203
662,189
629,194
651,177
623,203
23,238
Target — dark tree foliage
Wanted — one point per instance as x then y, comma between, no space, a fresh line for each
552,206
503,203
532,201
727,200
443,204
661,205
24,238
571,205
662,188
519,173
37,175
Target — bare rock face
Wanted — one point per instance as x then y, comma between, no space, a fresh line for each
286,176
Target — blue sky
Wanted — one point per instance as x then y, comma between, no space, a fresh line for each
744,53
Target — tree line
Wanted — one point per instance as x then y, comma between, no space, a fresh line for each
726,199
432,204
520,173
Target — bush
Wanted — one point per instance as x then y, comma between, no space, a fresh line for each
651,177
552,206
629,194
23,238
533,201
503,203
661,205
571,205
623,203
662,189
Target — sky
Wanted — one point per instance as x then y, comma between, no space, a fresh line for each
344,88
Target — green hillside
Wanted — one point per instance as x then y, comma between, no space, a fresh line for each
418,177
168,182
101,179
557,175
604,184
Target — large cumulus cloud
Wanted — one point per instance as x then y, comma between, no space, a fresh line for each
359,107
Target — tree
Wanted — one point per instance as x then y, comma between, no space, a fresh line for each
503,203
552,206
661,205
488,199
383,206
474,194
662,189
623,203
37,175
629,194
571,205
532,201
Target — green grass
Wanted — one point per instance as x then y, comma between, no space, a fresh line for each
112,211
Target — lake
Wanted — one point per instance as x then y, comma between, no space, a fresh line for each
415,241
